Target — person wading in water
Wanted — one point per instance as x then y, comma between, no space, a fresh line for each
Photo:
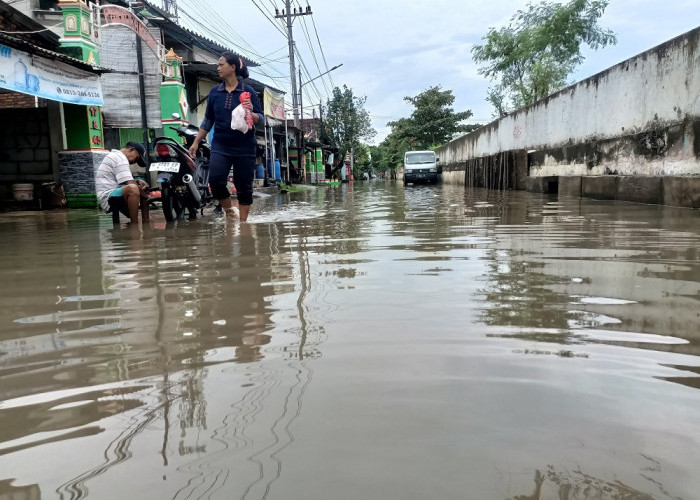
230,147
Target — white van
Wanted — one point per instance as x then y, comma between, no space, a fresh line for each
421,166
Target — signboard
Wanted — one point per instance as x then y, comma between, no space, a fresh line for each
112,14
273,104
48,79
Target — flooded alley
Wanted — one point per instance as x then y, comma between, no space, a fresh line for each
365,341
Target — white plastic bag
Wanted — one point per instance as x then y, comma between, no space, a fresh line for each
238,121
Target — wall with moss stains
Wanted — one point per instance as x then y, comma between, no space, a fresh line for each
640,117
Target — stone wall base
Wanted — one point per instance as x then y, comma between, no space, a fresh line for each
77,172
672,191
681,191
545,185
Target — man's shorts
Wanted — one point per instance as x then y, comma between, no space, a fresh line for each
117,202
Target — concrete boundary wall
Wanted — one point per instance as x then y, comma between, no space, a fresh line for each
639,118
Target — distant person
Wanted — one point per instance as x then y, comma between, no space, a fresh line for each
116,187
230,147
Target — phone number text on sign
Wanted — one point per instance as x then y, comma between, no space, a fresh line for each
77,93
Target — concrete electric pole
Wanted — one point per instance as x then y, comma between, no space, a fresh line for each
289,16
171,7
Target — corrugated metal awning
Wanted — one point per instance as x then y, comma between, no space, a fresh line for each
30,48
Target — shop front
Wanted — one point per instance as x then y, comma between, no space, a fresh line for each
39,91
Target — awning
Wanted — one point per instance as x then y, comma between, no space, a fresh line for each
36,71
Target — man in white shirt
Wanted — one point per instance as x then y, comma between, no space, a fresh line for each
116,187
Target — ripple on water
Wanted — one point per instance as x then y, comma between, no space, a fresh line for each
587,319
608,301
288,213
632,337
450,321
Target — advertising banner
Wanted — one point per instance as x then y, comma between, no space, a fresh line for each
273,104
53,80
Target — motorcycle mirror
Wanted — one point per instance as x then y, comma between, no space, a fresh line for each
175,116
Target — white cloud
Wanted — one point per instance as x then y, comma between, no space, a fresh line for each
394,49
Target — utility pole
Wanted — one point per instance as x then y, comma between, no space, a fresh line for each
289,15
302,150
142,93
171,7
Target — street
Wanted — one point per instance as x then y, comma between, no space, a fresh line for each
368,340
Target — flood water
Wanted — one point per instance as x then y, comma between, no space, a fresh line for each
366,341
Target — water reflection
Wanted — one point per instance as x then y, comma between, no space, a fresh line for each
417,342
575,484
160,305
239,443
10,492
560,276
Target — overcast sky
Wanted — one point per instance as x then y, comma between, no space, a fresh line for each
390,49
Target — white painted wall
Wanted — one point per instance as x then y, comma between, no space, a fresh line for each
656,89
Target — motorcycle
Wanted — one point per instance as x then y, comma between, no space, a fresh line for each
184,180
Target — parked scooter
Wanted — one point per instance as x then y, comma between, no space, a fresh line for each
184,180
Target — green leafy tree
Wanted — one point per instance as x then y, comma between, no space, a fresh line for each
378,161
346,122
363,161
433,121
375,158
389,155
541,46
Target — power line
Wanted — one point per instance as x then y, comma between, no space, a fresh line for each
308,75
30,32
208,30
220,30
269,19
313,52
288,16
309,78
320,46
274,52
211,15
213,23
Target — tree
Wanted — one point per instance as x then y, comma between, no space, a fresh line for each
433,121
362,161
392,148
346,122
532,57
376,160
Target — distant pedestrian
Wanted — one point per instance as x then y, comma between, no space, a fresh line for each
115,186
231,147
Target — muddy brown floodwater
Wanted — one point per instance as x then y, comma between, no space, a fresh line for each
367,341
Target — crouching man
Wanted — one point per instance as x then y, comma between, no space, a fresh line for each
116,188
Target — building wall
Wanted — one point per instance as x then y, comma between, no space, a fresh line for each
16,100
30,139
25,154
203,88
640,117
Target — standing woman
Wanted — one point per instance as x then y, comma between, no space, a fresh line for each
230,147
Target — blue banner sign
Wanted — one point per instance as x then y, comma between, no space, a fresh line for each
42,77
